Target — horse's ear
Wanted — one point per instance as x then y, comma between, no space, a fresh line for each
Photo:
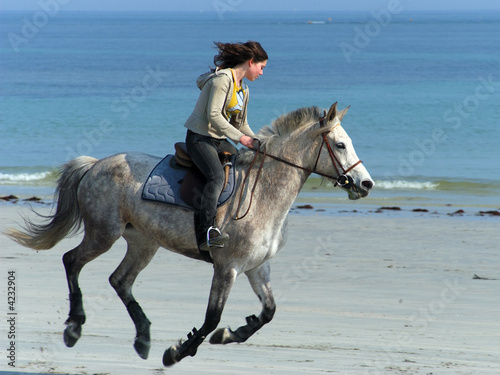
322,119
342,113
332,112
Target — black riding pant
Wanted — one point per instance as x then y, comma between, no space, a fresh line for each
204,152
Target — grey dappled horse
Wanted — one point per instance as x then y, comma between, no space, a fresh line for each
105,195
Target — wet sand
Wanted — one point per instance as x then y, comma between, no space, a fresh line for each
356,294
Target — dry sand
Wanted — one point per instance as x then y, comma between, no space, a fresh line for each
358,294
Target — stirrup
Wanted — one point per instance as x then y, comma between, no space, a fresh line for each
216,242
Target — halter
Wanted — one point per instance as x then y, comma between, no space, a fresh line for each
342,179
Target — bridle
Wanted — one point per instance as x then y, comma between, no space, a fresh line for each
342,179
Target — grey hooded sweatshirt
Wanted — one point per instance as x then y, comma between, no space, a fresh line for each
209,115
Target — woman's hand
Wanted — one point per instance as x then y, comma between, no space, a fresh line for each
246,141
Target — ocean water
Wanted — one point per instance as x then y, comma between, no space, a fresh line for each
424,90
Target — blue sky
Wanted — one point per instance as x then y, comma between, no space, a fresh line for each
249,5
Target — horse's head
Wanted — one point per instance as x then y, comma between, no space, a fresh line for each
337,160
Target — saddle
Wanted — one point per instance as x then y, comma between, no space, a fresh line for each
176,180
194,179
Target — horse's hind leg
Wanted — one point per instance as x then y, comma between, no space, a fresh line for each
140,251
260,281
90,248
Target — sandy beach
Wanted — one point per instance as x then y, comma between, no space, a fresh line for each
356,294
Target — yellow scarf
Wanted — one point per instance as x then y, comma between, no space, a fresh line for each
237,99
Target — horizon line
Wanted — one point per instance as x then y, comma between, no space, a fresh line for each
246,11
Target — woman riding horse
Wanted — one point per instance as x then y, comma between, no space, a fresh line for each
221,113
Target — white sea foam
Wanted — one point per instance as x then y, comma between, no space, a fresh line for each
15,178
401,184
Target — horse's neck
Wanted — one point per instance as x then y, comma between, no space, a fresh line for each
279,184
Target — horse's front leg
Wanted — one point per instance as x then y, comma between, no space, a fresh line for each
222,283
261,283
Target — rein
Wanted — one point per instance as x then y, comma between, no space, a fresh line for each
341,179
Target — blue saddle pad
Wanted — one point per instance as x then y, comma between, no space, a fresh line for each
165,180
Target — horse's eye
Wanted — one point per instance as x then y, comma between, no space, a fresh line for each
340,145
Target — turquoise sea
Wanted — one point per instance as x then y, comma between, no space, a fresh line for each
424,90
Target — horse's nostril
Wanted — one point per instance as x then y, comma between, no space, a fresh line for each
367,184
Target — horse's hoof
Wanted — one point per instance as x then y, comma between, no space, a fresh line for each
72,333
142,347
171,356
221,336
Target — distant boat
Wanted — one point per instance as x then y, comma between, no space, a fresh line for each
320,22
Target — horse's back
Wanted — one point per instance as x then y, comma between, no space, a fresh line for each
127,165
113,179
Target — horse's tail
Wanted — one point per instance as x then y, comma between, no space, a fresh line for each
67,219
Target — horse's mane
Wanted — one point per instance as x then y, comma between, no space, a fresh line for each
289,122
282,127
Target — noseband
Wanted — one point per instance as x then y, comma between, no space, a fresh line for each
342,179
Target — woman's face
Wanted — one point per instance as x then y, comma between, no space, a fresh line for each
255,70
